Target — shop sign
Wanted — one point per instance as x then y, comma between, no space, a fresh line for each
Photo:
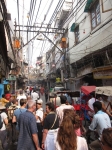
12,78
103,74
58,80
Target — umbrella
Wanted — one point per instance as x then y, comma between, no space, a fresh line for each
87,89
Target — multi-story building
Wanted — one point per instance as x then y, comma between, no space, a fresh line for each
88,25
90,43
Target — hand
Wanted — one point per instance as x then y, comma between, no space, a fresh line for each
42,145
38,148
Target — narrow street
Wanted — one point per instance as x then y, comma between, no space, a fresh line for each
62,48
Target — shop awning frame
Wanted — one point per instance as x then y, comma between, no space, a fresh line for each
88,5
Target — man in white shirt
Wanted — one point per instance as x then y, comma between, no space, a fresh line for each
90,105
39,118
63,106
100,121
3,132
21,96
34,95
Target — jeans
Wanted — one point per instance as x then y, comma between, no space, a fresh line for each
3,138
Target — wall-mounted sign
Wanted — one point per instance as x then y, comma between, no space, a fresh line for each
12,78
58,80
102,73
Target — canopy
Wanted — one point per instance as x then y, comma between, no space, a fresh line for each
71,93
88,5
105,90
87,89
74,25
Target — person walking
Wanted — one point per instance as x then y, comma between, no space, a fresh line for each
51,123
59,110
19,111
4,122
39,118
34,95
65,137
28,133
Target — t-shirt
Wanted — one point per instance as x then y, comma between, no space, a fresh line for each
27,126
49,120
3,117
60,112
100,121
17,113
39,113
34,96
20,97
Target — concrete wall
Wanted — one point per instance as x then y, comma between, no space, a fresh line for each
93,41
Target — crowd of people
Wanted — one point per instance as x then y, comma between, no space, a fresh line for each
61,128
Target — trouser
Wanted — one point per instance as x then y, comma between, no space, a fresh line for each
50,138
3,138
40,128
95,145
46,97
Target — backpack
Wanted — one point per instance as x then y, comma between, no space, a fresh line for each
11,111
1,122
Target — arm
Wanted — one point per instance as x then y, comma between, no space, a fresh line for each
104,109
6,121
35,140
14,119
45,131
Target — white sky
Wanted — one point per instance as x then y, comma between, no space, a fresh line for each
42,11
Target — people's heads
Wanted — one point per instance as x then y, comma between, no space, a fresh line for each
97,106
21,92
3,95
107,139
22,102
39,103
66,134
49,107
98,96
32,105
12,98
63,99
93,94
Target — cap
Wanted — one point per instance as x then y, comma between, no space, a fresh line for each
40,101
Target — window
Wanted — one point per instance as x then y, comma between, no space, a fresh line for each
95,15
77,35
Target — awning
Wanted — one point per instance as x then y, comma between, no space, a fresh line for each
74,25
105,90
88,5
88,89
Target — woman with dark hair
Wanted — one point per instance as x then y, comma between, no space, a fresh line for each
66,138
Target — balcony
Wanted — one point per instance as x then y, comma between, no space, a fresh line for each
67,7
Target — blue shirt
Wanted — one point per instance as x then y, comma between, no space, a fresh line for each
100,121
17,113
27,127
